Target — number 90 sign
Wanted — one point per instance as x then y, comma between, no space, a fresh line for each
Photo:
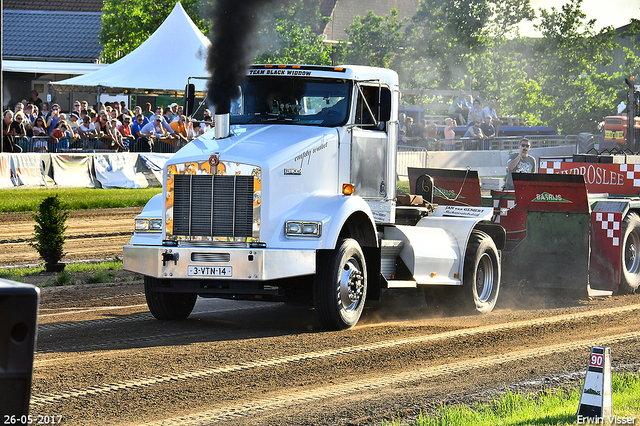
596,360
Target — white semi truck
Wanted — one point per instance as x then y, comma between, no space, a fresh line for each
292,197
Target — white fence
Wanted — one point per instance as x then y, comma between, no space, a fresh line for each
410,156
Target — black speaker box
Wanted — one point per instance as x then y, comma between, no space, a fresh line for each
18,330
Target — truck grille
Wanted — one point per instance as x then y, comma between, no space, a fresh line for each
213,206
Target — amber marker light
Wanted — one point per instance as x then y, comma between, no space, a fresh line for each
347,189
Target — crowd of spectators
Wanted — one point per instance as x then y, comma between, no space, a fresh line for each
34,127
482,126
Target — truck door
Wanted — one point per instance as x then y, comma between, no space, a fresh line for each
370,150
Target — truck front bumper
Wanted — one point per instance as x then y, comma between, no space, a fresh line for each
211,263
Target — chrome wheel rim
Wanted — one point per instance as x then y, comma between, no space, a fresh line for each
350,286
484,278
631,258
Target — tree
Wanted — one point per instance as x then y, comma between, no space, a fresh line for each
439,40
502,60
375,40
126,24
569,94
506,15
293,35
634,31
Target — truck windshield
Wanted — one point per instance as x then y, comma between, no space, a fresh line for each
294,100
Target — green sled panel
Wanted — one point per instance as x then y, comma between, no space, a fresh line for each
554,253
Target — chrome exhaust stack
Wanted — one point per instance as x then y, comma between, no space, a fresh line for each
222,125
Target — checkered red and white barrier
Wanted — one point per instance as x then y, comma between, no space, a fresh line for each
612,224
632,173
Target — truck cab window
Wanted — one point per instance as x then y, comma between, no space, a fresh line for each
368,108
291,100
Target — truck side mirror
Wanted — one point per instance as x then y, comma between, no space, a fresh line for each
189,99
385,104
18,329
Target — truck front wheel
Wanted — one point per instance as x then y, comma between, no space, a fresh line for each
630,278
168,306
340,285
481,274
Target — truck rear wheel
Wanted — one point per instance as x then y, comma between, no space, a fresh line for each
340,286
481,282
168,306
630,277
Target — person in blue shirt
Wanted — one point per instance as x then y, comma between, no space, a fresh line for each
474,133
139,122
52,120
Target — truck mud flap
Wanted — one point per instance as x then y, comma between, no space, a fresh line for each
554,250
451,187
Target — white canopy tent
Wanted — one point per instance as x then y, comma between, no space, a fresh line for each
162,64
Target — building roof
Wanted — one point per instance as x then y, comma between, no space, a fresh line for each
41,35
342,13
50,67
58,5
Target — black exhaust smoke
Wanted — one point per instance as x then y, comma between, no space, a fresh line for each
233,35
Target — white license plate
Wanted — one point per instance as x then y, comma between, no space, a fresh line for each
210,271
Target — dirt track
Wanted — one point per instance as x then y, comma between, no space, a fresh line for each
91,234
103,360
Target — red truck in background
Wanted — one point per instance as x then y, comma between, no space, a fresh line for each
615,128
618,128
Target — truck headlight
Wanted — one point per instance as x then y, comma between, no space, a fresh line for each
302,229
148,225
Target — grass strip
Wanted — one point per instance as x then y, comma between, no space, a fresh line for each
557,408
101,272
27,200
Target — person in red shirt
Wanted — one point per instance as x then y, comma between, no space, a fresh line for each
125,131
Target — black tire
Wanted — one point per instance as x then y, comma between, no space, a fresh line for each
168,306
481,281
630,276
340,285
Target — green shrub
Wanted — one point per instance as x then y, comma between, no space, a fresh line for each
97,278
63,278
49,231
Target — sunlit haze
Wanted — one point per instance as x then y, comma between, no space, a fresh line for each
612,12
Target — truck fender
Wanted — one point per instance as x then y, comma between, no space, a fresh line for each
460,222
346,217
152,210
497,233
336,211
